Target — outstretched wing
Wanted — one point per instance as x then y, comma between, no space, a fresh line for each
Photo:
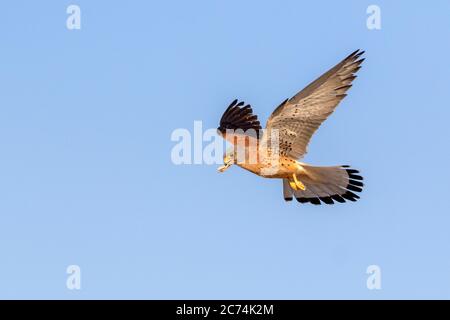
297,119
238,120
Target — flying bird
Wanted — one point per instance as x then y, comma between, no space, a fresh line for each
275,151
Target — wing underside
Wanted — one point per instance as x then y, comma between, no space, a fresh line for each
296,119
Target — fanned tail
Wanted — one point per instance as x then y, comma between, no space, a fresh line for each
326,185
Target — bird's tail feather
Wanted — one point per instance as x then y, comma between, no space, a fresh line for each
326,185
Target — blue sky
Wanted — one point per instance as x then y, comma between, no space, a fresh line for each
86,176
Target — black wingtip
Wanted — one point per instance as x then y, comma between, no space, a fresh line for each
355,55
233,103
239,117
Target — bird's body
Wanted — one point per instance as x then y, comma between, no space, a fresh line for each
274,152
268,166
282,168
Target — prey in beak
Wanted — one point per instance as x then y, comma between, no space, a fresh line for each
228,160
224,167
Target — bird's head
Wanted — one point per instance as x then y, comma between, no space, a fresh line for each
229,158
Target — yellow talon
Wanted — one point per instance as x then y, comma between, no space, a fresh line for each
293,185
298,183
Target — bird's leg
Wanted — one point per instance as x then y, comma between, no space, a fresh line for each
293,185
298,183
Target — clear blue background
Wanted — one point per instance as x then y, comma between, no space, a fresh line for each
86,176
